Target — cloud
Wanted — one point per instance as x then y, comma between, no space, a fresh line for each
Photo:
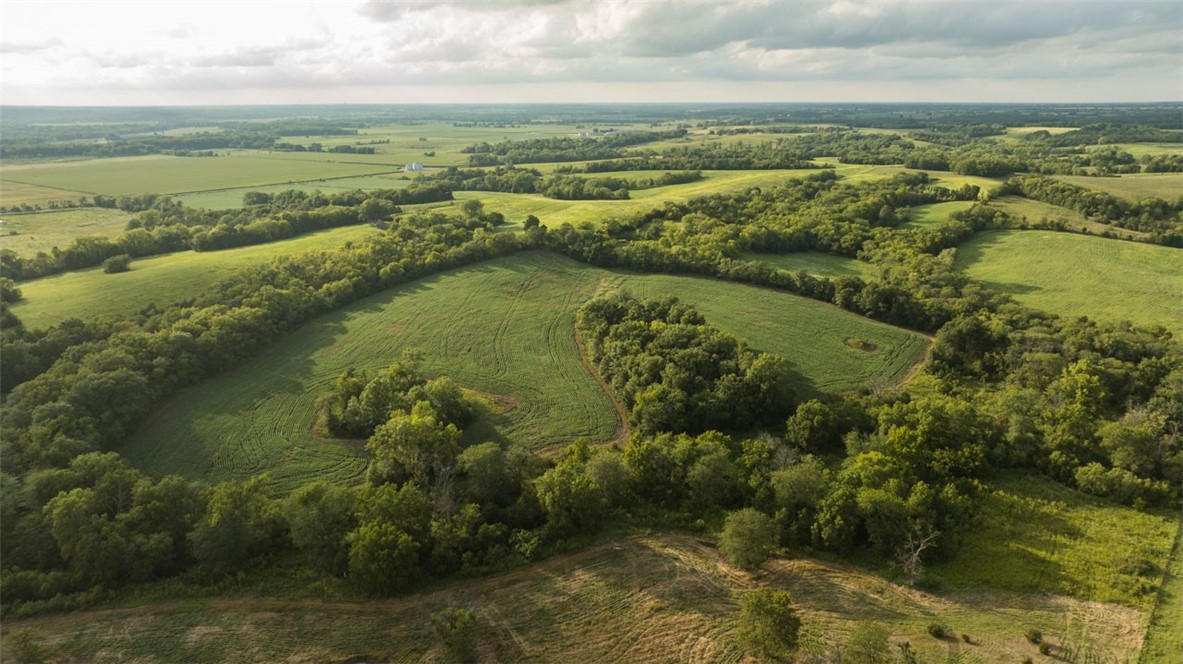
29,46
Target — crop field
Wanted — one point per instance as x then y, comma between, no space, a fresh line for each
1078,275
504,328
1133,188
30,233
554,212
159,279
18,193
224,199
658,598
816,263
174,175
1034,535
927,215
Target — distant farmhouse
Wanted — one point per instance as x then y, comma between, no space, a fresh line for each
413,166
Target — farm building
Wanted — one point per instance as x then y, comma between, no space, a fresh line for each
413,166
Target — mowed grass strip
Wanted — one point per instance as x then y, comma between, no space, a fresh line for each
30,233
816,263
162,280
171,175
1078,275
1035,535
1134,187
654,598
505,327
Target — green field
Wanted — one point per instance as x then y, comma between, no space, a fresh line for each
1035,212
160,279
28,234
1133,188
935,213
223,199
816,263
173,175
1034,535
18,193
655,598
1078,275
1143,149
506,328
947,179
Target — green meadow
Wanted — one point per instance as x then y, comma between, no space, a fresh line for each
504,328
162,280
816,263
1079,275
935,213
30,233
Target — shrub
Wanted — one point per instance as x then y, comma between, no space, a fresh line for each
1045,648
1033,635
748,538
937,630
457,629
120,263
965,637
768,625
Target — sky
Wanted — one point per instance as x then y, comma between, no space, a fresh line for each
526,51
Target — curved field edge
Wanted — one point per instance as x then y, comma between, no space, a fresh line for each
504,327
654,598
1077,275
1164,632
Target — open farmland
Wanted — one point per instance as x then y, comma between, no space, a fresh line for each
816,263
30,233
174,175
1133,188
928,215
18,193
655,598
1036,212
223,199
162,280
505,328
1076,275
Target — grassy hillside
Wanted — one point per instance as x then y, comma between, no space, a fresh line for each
924,215
28,234
1164,636
161,279
1035,212
504,327
18,193
661,598
1132,187
1077,275
826,265
223,199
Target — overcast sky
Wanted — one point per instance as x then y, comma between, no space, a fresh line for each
243,52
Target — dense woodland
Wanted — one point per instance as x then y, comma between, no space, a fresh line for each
886,475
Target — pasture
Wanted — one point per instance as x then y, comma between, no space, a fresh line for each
30,233
654,598
224,199
1133,188
18,193
504,328
173,175
935,213
1035,212
162,280
1164,635
1078,275
816,263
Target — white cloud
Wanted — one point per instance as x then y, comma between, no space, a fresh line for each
316,51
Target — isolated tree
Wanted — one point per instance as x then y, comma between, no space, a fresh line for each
768,624
748,538
531,222
472,208
909,554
